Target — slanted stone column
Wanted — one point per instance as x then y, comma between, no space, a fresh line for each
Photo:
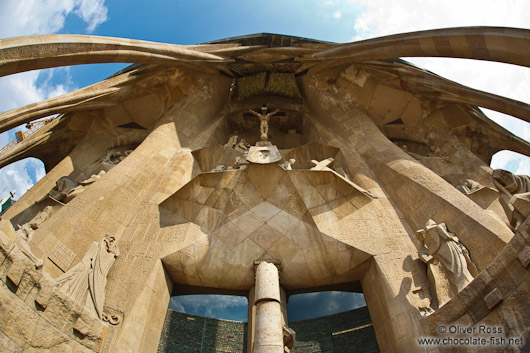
268,335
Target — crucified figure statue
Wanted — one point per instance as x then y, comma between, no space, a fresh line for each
264,120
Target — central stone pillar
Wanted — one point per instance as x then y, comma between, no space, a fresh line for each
268,334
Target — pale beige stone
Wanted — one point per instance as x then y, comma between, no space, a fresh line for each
268,333
132,156
85,282
447,260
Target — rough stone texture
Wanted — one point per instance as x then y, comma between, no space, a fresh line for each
496,298
336,333
396,142
6,345
524,256
493,298
190,333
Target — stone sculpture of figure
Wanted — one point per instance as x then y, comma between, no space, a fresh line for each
85,282
240,163
63,187
513,184
289,337
469,186
219,168
232,141
264,120
93,178
449,266
113,158
26,230
242,146
514,195
288,165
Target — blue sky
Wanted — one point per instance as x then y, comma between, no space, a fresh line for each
300,306
190,22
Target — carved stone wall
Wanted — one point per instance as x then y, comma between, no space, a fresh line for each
331,199
496,299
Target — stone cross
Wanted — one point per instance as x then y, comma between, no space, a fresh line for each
322,165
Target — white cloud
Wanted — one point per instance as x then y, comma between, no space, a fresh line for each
216,306
398,16
387,17
337,14
29,17
93,12
15,176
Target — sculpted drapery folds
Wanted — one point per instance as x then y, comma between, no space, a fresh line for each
450,268
90,276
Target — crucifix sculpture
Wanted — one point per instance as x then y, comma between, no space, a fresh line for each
264,120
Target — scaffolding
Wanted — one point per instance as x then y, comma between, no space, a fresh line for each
20,136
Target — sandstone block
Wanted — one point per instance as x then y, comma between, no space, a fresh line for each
493,298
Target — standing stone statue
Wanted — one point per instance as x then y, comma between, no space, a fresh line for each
85,282
264,120
449,266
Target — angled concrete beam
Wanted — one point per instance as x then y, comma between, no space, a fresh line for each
21,54
453,92
84,98
62,104
23,149
507,45
430,85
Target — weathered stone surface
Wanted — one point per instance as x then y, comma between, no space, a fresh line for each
17,319
7,345
380,148
493,298
524,256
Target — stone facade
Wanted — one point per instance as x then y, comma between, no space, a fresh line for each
184,333
351,331
197,165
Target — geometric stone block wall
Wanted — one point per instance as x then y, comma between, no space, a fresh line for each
185,333
350,331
